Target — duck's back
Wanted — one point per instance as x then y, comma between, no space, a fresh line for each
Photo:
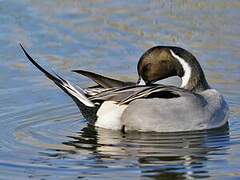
188,112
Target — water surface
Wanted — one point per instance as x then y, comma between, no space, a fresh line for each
42,133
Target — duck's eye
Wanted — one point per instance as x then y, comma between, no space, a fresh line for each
147,67
164,61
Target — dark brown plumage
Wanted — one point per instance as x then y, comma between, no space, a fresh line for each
157,63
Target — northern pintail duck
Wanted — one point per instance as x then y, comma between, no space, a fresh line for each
145,106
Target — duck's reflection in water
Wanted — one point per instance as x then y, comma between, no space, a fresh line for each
156,155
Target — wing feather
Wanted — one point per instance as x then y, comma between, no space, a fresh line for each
103,81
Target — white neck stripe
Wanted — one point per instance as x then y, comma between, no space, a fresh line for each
187,69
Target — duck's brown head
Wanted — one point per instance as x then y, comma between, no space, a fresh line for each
161,62
158,63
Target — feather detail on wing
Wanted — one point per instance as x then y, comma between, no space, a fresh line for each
103,81
125,95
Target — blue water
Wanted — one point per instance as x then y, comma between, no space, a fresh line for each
42,133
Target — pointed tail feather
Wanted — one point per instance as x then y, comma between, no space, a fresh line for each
77,95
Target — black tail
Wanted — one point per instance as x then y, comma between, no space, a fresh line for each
78,96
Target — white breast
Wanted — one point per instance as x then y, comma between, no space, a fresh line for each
109,115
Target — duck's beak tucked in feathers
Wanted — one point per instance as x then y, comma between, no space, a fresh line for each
161,62
157,64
